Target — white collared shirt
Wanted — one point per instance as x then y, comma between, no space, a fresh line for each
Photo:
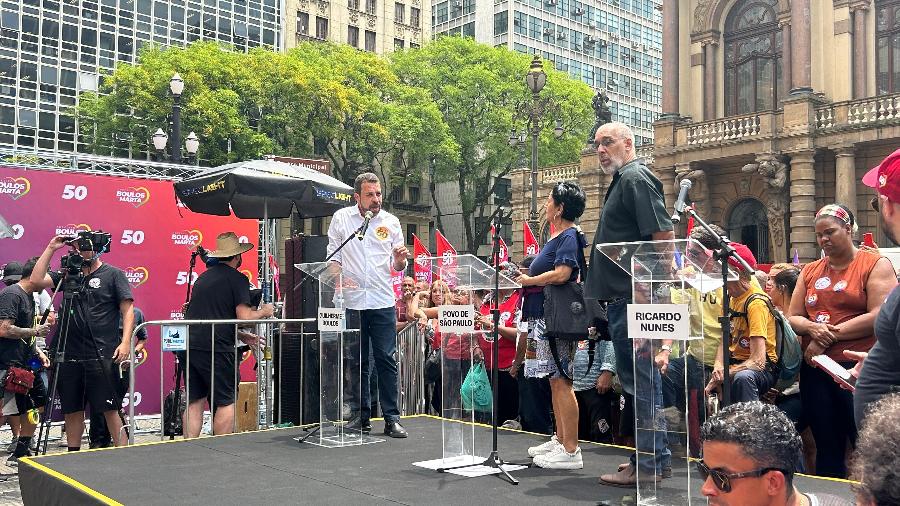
367,262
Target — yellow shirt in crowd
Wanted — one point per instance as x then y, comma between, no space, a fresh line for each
761,323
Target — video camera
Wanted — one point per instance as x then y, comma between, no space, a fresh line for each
86,240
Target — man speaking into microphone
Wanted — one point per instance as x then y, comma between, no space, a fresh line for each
368,261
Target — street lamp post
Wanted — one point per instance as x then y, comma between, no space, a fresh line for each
160,139
534,113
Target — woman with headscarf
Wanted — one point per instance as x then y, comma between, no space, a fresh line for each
833,308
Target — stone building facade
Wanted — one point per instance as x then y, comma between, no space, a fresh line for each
773,109
378,26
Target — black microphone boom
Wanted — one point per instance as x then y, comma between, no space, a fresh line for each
679,204
365,226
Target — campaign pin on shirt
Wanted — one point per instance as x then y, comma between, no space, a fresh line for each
812,299
744,343
382,233
823,317
823,283
94,283
840,286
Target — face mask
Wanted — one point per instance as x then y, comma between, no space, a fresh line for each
240,261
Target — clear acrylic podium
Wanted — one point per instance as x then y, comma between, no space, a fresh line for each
669,408
340,367
461,444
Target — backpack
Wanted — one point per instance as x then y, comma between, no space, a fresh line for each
787,344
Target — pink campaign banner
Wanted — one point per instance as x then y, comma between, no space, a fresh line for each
151,241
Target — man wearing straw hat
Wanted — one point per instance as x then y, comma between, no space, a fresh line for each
220,293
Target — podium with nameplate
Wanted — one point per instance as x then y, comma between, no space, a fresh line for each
340,367
674,286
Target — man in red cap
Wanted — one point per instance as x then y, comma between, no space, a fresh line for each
753,369
881,374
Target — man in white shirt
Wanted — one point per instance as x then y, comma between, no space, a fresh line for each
368,263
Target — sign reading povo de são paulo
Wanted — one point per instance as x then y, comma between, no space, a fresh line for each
659,321
456,319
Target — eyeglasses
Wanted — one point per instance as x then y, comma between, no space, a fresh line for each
722,480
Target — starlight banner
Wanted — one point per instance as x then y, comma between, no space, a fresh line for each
152,239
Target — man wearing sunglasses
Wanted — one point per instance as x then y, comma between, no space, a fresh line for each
750,451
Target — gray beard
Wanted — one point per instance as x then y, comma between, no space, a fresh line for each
609,170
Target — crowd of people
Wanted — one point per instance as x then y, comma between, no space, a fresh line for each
841,306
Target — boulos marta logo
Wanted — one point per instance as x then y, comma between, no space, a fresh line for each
15,187
137,276
72,229
135,195
189,238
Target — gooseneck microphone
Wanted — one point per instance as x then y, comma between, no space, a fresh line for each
679,204
365,226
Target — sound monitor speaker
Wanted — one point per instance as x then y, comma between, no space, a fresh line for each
296,351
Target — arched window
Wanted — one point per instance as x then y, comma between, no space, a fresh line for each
887,45
752,58
748,224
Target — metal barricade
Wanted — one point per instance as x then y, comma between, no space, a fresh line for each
264,371
410,356
411,363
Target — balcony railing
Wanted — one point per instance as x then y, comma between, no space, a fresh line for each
867,111
725,129
645,152
550,175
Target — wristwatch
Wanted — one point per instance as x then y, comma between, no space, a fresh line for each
665,347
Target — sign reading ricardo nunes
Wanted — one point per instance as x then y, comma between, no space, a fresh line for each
331,319
456,319
659,321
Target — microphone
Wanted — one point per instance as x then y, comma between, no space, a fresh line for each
679,204
202,253
365,226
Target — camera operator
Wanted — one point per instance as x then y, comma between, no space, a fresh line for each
93,343
221,292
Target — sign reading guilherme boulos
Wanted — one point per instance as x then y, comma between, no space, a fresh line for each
456,319
659,321
331,319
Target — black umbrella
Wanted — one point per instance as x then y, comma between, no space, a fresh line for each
263,189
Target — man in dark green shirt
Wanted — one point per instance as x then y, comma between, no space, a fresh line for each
634,210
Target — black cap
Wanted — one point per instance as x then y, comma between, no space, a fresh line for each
12,272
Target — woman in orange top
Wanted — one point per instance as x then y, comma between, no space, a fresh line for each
833,308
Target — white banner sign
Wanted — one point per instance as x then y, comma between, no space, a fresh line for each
331,320
659,321
456,319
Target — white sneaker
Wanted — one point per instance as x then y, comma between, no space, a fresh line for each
547,447
560,459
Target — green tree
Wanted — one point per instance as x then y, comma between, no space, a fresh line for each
477,88
318,99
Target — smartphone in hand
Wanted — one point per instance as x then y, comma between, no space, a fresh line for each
836,371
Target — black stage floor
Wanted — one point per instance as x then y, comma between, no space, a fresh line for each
269,467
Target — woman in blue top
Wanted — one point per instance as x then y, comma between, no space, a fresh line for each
556,264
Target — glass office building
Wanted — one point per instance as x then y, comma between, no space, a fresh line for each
51,50
614,45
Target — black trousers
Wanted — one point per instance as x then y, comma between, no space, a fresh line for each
595,415
829,410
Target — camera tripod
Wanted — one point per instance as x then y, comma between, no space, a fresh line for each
72,285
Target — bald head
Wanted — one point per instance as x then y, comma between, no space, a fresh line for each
615,146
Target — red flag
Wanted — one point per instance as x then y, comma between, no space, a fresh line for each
447,254
690,223
531,245
422,261
397,283
273,268
503,255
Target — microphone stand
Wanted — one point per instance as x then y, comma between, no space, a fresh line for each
724,252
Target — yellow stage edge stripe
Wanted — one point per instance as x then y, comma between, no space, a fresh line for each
75,483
